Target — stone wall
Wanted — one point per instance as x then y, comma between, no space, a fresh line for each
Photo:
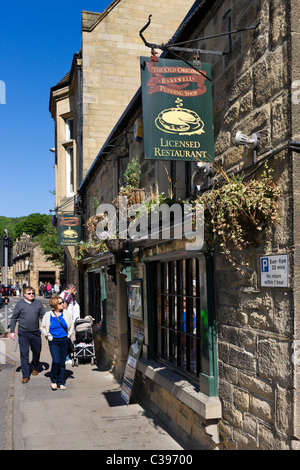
30,262
167,403
255,324
111,50
40,265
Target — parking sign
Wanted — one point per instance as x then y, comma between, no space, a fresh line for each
264,265
274,271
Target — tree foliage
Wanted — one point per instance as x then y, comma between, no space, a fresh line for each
40,228
33,225
9,223
48,242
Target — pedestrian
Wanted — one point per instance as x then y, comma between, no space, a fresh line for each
28,312
41,289
56,288
18,289
58,327
49,290
70,304
67,294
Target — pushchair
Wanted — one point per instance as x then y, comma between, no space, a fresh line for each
84,346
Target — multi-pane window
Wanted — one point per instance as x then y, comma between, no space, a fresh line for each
181,314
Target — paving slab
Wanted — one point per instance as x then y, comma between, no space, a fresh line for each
89,415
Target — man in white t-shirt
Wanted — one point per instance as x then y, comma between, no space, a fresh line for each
70,304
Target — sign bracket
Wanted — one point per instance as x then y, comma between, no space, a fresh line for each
174,47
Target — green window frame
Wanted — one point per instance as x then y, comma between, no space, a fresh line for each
181,318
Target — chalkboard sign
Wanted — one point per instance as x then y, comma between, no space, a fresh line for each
131,364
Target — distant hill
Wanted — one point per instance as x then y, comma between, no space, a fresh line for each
9,224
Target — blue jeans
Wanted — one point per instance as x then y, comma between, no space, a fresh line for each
59,351
32,340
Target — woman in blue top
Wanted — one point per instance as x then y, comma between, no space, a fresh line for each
58,327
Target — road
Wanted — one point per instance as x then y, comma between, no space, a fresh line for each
7,369
11,306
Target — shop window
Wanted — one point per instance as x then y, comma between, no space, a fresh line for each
182,334
97,297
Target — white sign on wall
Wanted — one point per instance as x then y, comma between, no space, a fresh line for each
274,271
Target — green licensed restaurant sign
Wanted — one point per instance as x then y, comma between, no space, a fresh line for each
177,111
68,229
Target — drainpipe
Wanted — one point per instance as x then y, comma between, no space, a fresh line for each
79,122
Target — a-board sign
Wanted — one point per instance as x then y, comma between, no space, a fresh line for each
131,364
274,271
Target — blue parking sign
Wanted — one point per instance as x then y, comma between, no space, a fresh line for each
264,265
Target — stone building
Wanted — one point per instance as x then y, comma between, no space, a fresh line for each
31,266
104,75
241,388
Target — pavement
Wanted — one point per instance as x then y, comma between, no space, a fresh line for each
89,415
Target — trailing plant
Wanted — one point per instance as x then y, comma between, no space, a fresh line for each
238,209
91,225
93,245
172,185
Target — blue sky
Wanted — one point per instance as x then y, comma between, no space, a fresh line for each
37,43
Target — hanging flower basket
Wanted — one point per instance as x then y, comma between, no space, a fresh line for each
116,245
90,249
93,251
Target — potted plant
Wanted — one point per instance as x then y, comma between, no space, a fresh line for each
132,189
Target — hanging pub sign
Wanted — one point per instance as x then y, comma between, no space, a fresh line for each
68,229
177,111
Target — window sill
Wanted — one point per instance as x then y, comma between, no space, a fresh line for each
68,143
184,391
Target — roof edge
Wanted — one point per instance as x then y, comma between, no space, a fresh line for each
66,80
89,26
